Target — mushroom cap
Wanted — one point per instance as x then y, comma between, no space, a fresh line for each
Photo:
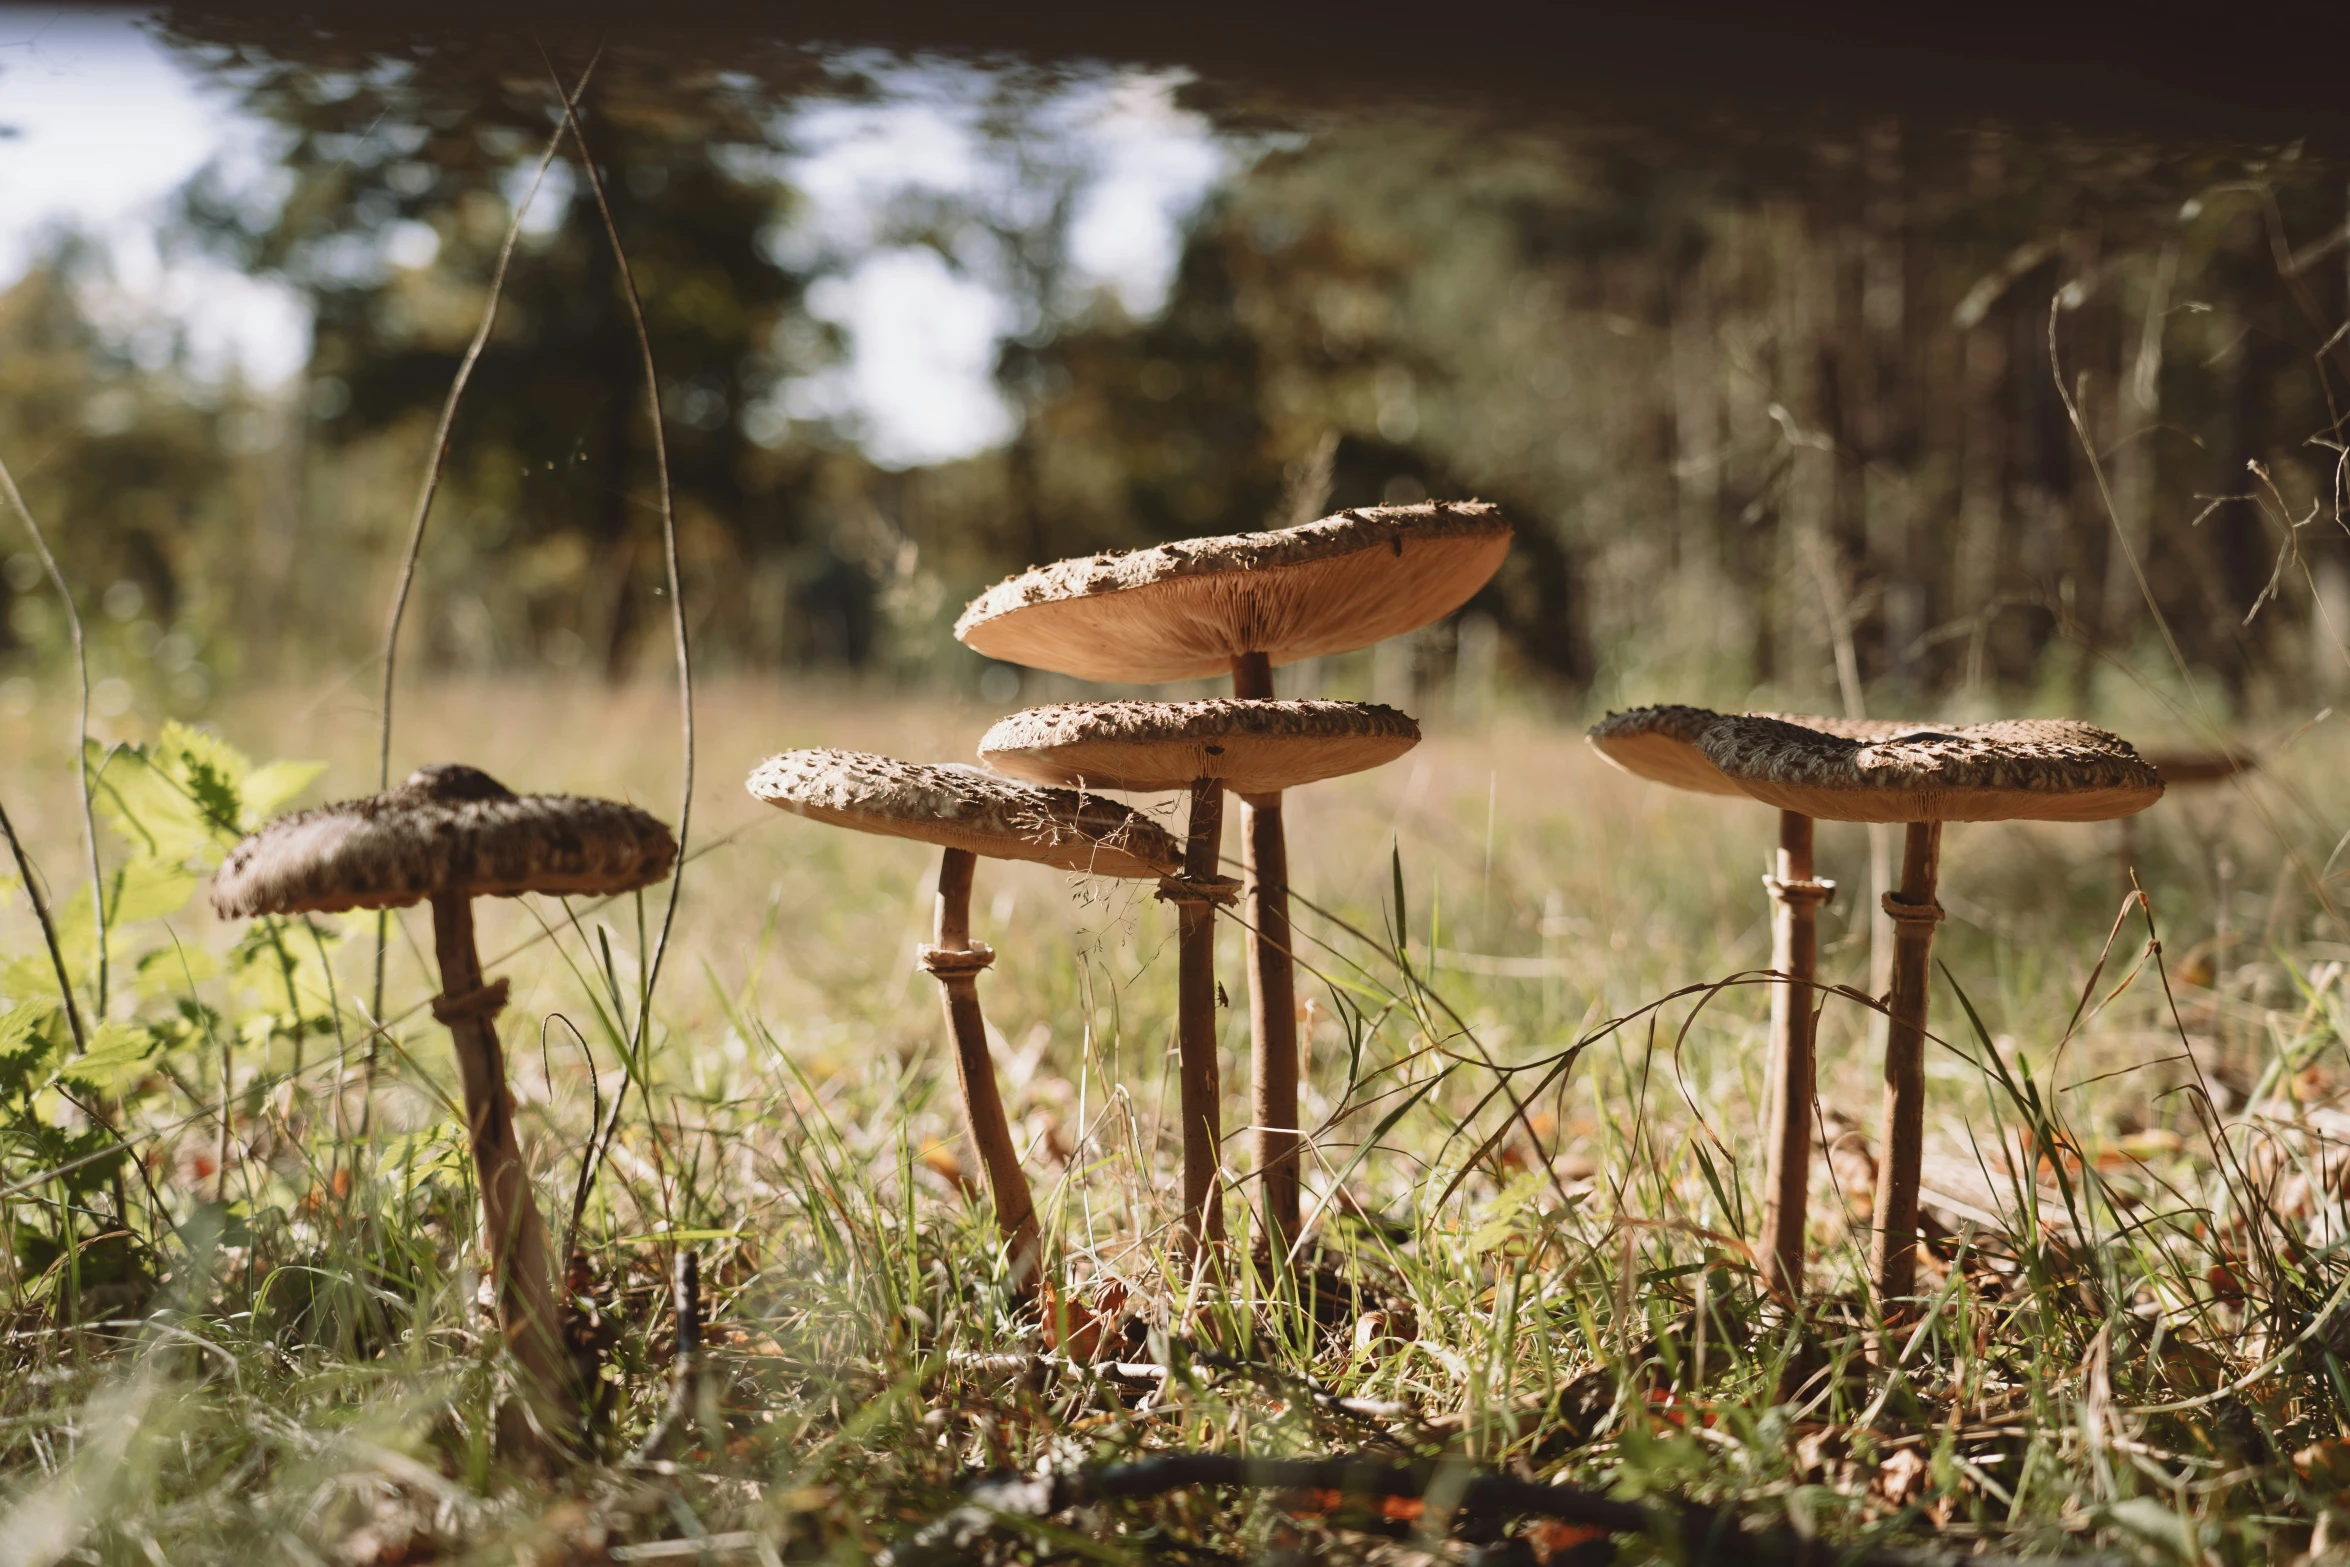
445,828
2199,767
1660,743
2048,770
958,807
1185,610
1253,747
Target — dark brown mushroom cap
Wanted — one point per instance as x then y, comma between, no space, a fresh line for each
1253,747
1660,743
445,828
1186,610
959,807
2049,770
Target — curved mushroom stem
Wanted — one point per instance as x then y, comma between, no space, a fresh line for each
1195,1004
1893,1254
983,1108
1272,985
527,1310
1798,895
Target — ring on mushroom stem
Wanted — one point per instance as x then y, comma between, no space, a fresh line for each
1203,748
2022,770
446,835
1241,604
970,813
1660,744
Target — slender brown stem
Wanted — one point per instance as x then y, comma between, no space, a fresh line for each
1797,894
1893,1260
1195,996
32,891
527,1311
1272,984
983,1108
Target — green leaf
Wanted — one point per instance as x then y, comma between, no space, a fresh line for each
149,889
270,786
117,1058
1501,1216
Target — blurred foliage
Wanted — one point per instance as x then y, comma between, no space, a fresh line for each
1773,405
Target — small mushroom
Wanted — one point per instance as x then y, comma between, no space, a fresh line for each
969,813
1249,747
1660,744
2024,770
446,835
1241,604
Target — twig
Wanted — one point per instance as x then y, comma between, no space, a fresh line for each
32,891
601,1139
424,499
81,739
1704,1534
685,1374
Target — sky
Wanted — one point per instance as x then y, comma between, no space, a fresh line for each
103,125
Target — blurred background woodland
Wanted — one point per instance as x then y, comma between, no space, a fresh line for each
1772,400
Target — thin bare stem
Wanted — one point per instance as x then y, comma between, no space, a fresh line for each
434,467
32,891
81,736
685,667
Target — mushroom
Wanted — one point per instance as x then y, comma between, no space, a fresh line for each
1242,604
2024,770
969,813
1254,748
446,835
1660,744
2179,770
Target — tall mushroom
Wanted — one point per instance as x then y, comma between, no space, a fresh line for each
1242,604
969,813
1254,748
2023,770
1660,744
446,835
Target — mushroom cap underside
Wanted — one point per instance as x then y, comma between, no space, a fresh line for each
2050,770
1186,610
1660,743
445,829
960,807
1253,748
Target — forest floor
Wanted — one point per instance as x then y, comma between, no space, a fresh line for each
1534,1165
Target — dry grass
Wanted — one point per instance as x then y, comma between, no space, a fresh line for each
291,1364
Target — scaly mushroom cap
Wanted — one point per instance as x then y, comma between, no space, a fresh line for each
2047,770
1254,747
959,807
445,828
1660,743
1185,610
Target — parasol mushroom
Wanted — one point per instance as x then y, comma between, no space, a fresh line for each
1242,604
1660,744
1254,748
2026,770
446,835
969,813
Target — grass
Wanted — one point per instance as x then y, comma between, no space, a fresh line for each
2134,1341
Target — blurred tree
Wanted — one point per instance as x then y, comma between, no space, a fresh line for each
399,177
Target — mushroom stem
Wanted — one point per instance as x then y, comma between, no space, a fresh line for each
527,1312
1272,984
1195,1002
983,1108
1893,1259
1798,895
